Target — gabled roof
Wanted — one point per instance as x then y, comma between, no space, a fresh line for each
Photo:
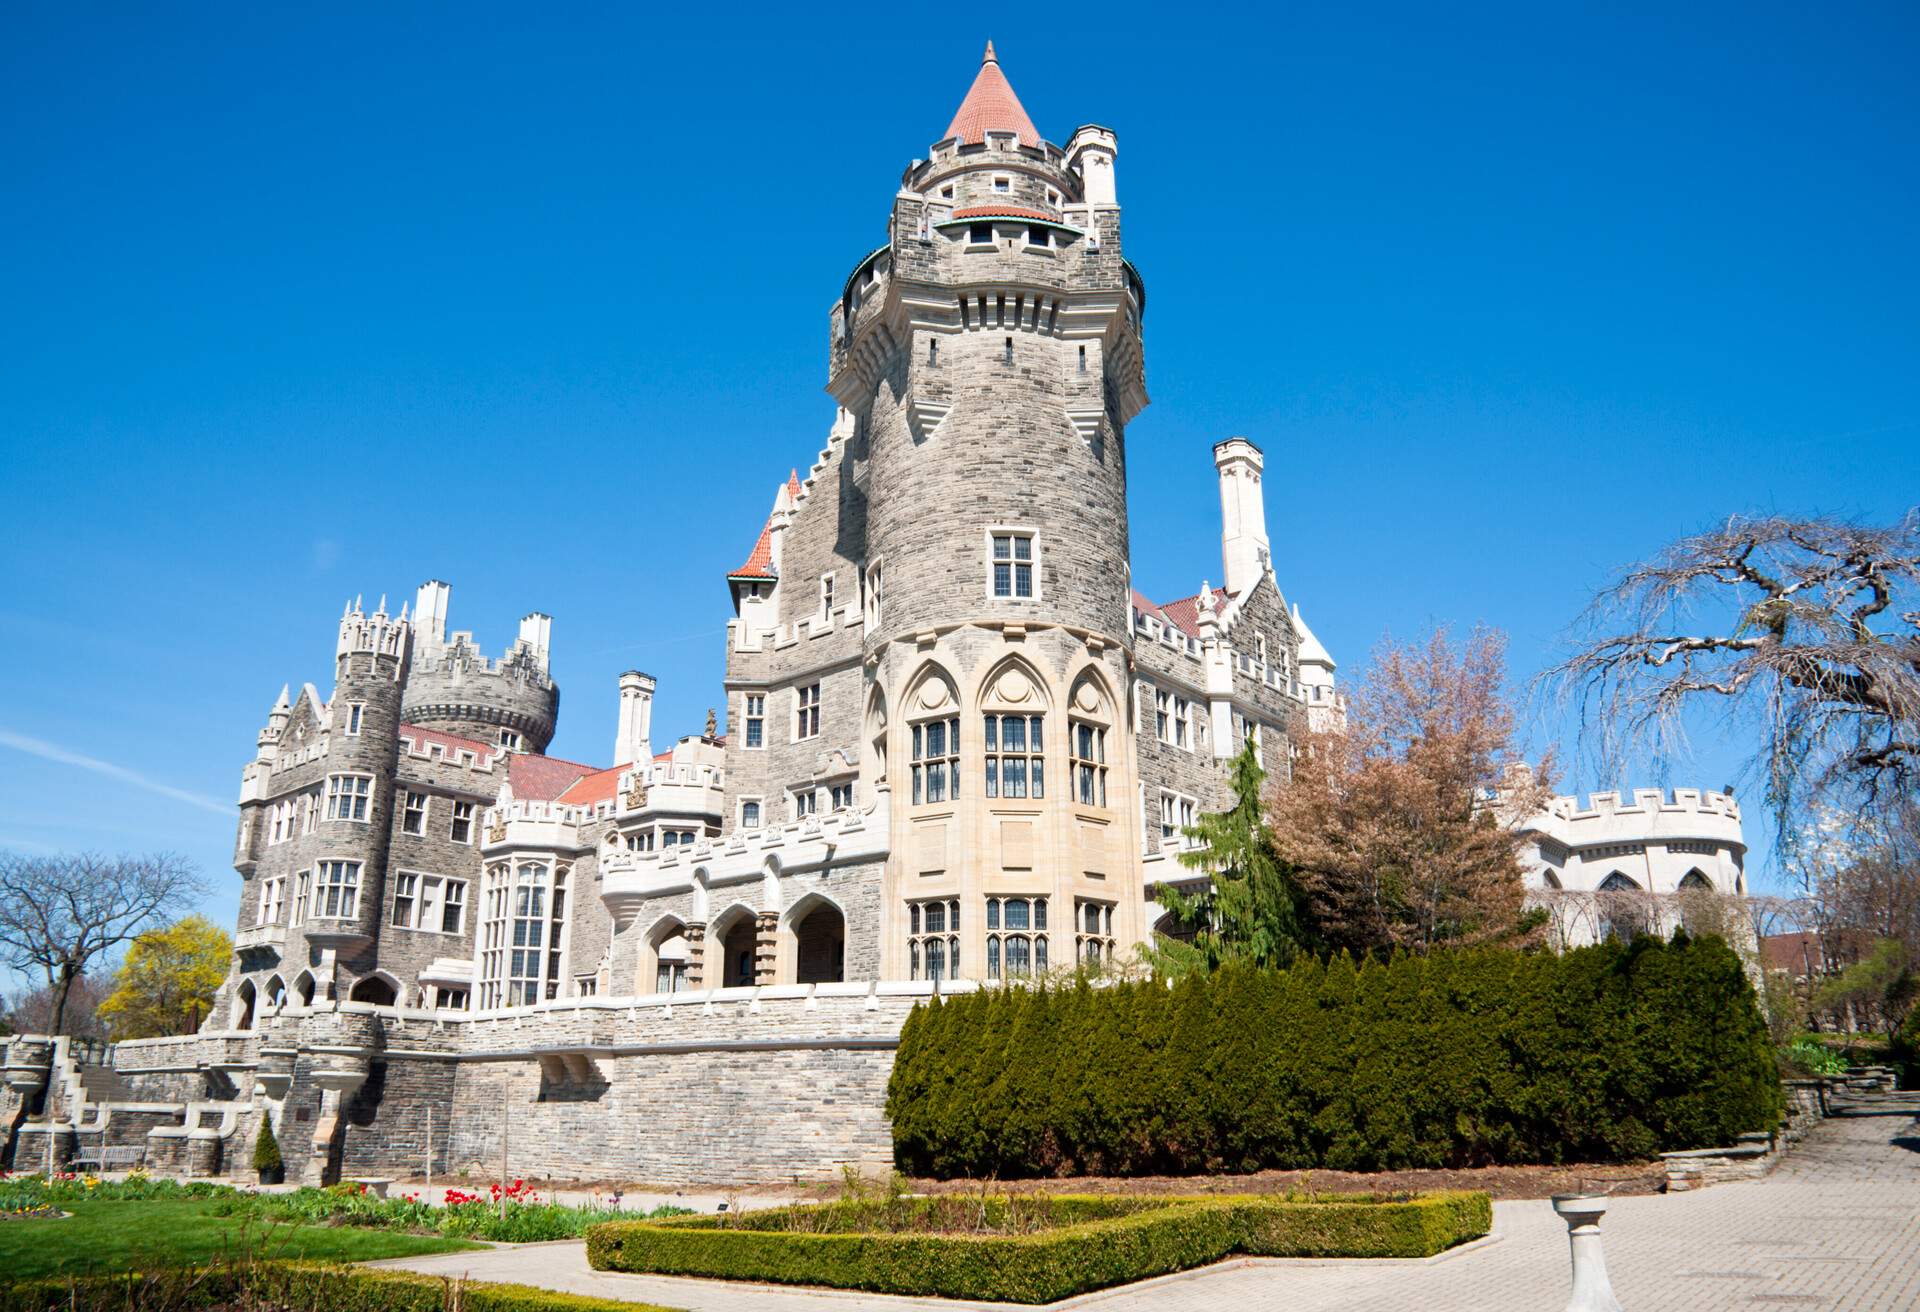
543,778
593,788
760,560
991,106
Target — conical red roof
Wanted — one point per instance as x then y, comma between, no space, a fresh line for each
991,106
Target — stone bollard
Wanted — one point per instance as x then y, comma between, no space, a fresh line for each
1592,1291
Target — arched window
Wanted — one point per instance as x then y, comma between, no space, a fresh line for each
303,988
1624,914
664,967
243,1006
934,741
1693,879
933,939
276,992
1016,937
1087,726
1014,717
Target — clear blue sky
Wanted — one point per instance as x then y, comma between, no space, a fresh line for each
301,304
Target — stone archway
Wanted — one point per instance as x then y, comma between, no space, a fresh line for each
243,1000
820,945
376,989
732,950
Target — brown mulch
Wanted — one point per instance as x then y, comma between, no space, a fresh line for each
1500,1181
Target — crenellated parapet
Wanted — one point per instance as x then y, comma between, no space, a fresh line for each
511,700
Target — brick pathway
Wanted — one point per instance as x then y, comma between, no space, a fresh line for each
1836,1226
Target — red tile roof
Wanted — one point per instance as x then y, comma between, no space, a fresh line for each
450,743
543,778
991,106
760,560
593,788
1797,954
1002,212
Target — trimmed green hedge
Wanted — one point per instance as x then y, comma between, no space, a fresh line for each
1090,1243
1458,1059
296,1287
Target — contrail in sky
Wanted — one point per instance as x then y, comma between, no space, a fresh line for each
53,752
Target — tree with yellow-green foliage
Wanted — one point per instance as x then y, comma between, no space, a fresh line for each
168,980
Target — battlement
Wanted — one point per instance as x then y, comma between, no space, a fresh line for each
1652,815
1646,801
453,686
378,633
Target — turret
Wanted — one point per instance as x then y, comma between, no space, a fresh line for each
632,744
1243,513
511,701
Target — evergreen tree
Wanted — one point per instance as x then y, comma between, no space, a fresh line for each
1252,910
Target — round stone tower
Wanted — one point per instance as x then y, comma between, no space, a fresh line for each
512,701
350,856
990,358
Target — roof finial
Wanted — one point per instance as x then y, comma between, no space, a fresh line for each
989,58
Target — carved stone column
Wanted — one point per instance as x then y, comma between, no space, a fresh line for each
696,936
766,946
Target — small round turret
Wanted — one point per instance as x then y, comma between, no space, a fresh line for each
512,701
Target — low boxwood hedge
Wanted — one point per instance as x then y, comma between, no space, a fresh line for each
1089,1243
294,1286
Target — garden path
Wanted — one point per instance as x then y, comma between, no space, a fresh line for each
1835,1226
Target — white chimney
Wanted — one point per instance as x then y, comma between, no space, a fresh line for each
1243,513
632,746
536,631
430,614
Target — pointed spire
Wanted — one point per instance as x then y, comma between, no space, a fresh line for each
991,106
285,701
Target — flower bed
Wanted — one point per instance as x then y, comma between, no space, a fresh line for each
1030,1249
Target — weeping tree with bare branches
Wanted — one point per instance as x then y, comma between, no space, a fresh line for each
1809,626
61,914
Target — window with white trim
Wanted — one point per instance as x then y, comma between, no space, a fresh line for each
413,815
272,890
933,938
430,903
524,935
336,894
1014,556
1016,937
1182,722
1039,237
511,739
749,813
1093,931
806,802
302,885
1163,715
936,760
406,888
309,812
826,598
446,999
1001,183
806,712
1177,814
840,797
355,712
349,797
586,986
461,828
1015,756
871,601
756,720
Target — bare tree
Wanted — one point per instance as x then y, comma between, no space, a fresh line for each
1397,825
1810,625
59,914
32,1013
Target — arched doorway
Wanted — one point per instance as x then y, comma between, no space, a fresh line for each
243,1006
820,946
303,988
376,989
736,940
663,966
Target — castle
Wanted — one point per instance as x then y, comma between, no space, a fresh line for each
958,746
959,749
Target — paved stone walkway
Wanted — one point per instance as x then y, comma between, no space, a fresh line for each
1836,1226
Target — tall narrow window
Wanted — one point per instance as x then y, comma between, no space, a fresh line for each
806,802
413,819
1013,561
524,937
453,906
1176,817
933,350
750,813
1093,931
1089,764
806,711
1083,359
872,599
756,719
461,829
405,890
936,760
354,710
1015,756
1182,716
271,892
826,597
1163,715
1008,356
302,890
840,797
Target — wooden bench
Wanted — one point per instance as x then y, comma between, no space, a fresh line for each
108,1159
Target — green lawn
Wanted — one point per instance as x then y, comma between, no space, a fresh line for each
108,1237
